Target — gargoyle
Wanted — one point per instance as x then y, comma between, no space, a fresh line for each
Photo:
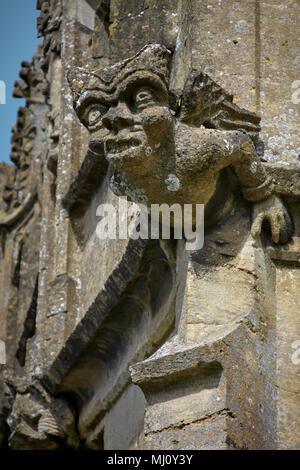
168,147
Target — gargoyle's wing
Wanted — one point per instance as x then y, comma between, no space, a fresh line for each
206,103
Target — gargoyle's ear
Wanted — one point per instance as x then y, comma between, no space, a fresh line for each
77,79
202,99
204,102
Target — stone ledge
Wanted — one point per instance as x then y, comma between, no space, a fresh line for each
289,253
182,358
286,178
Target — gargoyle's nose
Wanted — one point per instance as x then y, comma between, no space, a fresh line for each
118,117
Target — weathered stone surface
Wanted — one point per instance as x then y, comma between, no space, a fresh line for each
207,434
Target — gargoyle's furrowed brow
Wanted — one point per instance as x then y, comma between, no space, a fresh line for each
93,96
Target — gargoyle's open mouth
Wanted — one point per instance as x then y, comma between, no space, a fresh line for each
119,148
113,146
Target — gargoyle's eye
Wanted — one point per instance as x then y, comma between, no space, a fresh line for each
94,114
144,96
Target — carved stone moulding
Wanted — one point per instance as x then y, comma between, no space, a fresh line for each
32,83
118,328
48,25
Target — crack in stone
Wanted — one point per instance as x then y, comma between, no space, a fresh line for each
224,412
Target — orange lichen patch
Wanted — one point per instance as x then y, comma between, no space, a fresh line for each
112,27
247,147
77,83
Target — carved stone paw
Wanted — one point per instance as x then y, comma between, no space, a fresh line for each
273,210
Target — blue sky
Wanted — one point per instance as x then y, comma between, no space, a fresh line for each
18,42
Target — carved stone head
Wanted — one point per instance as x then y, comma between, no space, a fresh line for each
144,130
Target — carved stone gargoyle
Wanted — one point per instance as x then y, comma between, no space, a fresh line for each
168,147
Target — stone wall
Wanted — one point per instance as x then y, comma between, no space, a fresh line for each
143,344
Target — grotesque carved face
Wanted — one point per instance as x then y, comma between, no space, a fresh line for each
125,108
133,126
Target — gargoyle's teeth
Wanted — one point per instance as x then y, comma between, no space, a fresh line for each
113,146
